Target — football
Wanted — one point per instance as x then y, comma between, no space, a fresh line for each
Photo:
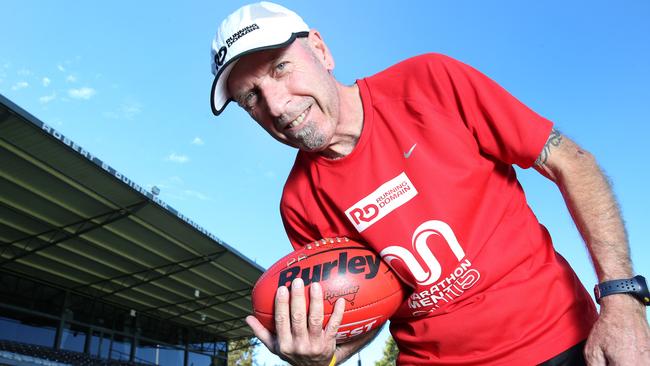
344,268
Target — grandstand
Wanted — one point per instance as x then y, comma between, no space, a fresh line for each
96,270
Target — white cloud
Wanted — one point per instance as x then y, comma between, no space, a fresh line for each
82,93
47,98
176,158
175,179
127,110
171,182
195,194
110,115
130,109
24,72
174,187
198,141
20,85
71,79
46,81
60,67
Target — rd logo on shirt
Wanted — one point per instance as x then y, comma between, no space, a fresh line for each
381,202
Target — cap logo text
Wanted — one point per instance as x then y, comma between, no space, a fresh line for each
240,33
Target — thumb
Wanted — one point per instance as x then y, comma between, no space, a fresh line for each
594,355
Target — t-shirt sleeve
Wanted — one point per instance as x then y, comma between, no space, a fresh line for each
504,128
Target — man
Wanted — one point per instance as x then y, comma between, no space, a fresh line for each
416,161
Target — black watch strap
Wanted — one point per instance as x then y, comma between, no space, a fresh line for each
635,286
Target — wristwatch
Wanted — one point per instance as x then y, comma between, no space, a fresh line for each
635,286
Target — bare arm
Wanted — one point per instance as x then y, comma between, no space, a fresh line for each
591,203
621,334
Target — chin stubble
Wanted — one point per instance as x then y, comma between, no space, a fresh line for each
310,138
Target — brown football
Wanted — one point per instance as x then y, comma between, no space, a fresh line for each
344,268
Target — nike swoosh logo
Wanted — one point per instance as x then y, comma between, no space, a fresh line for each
408,154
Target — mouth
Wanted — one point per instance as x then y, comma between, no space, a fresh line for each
296,122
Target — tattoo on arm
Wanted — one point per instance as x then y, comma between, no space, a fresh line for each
554,140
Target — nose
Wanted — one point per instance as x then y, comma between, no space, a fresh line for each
276,97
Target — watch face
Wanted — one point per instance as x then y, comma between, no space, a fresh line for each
644,294
597,293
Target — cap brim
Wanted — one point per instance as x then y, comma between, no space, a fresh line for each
219,97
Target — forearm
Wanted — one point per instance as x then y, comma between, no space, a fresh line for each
592,205
596,213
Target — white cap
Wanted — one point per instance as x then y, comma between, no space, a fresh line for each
251,28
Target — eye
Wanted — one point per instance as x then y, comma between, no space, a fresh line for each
282,66
248,100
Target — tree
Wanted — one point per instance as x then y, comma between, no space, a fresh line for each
241,351
390,353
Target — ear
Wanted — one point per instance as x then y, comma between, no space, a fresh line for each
320,49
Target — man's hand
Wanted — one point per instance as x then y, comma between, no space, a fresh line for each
301,339
621,335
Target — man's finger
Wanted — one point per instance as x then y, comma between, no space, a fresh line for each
263,334
298,309
335,320
315,310
281,316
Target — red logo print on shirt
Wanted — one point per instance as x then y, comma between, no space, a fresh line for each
365,215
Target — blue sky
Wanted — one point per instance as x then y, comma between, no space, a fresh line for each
130,81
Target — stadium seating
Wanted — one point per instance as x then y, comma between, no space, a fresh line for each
14,353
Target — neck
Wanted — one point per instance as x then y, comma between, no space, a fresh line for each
350,123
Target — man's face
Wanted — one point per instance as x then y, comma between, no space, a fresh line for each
290,93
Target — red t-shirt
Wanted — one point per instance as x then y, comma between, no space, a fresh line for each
430,186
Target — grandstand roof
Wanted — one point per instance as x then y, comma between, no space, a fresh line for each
69,219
